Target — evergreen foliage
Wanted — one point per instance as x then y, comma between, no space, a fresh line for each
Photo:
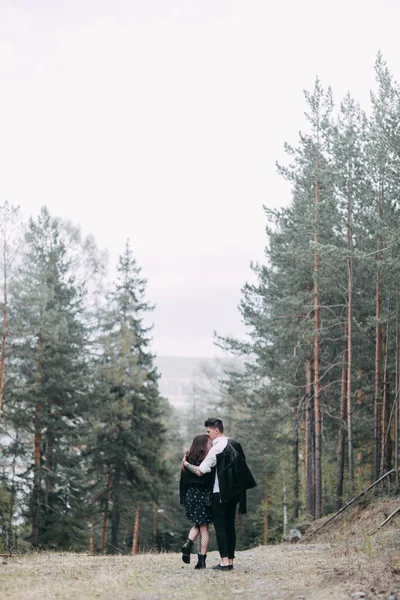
90,451
83,425
128,415
322,317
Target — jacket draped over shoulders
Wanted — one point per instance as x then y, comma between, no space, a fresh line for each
234,475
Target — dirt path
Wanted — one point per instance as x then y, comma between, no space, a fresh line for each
285,572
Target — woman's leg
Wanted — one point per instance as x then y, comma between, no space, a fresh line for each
187,546
205,538
193,533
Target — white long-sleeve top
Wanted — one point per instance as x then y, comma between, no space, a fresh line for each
219,445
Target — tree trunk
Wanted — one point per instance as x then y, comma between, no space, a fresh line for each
13,496
92,544
3,337
115,511
91,541
396,417
364,451
385,435
155,526
378,346
342,415
136,530
38,449
37,477
317,374
105,520
349,341
265,515
285,519
51,466
309,443
296,483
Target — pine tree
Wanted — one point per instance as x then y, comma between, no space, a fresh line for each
383,159
351,188
9,247
49,389
128,448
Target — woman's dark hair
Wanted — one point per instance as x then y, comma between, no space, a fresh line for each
198,449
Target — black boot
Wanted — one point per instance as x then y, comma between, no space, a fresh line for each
201,563
186,548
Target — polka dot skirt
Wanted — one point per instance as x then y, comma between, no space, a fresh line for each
195,504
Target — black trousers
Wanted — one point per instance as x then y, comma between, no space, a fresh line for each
223,515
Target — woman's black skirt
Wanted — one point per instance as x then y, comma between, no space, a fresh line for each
197,510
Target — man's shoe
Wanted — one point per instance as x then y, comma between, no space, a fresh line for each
186,548
201,562
223,567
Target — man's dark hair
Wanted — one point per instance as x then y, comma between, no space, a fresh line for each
214,423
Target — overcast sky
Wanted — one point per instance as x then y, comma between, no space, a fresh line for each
161,121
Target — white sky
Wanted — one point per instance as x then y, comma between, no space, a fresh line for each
161,121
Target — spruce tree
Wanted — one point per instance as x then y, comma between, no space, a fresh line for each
48,391
128,445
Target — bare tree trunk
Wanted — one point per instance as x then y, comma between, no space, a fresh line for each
363,450
91,541
378,346
313,461
105,520
136,530
92,545
37,477
13,496
342,416
349,341
38,449
296,482
265,517
3,336
396,418
8,233
115,510
385,407
285,519
309,443
155,526
317,374
49,473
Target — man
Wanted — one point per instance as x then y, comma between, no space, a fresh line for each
232,479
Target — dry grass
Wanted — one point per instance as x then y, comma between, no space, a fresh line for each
343,559
316,572
358,521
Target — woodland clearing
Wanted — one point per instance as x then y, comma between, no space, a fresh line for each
343,561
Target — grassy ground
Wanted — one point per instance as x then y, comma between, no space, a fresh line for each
313,572
343,559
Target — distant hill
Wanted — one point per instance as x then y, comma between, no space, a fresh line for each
178,374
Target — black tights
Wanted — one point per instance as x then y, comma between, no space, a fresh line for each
223,514
204,536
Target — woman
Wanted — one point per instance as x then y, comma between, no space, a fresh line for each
195,494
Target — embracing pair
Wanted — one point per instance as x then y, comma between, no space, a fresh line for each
214,480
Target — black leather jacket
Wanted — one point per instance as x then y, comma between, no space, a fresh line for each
234,476
187,478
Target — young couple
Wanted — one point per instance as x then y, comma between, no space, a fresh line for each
214,479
